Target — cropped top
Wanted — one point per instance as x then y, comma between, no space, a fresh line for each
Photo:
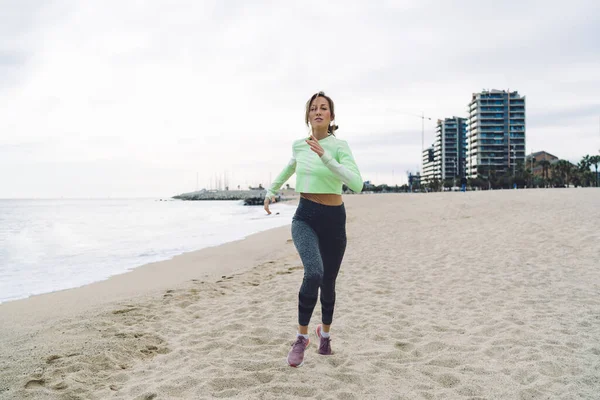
325,174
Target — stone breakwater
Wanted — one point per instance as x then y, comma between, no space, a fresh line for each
250,197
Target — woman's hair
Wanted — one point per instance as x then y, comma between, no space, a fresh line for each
332,128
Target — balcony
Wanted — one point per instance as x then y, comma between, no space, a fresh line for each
488,123
492,129
491,102
492,143
492,96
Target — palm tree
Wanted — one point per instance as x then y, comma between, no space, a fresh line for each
584,172
556,176
566,170
595,160
585,163
532,168
545,164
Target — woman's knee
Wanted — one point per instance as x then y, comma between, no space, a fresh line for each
314,277
312,281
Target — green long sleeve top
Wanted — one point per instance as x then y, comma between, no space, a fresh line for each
325,174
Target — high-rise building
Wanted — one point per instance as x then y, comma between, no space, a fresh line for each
451,148
446,158
496,132
429,172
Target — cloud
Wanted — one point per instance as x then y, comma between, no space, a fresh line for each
169,90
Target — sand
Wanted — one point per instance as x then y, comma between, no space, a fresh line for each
479,295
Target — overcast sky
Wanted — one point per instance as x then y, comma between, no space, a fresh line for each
138,98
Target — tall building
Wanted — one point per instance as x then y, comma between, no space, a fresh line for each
447,157
450,148
429,172
496,132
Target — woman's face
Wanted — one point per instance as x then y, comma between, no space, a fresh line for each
319,114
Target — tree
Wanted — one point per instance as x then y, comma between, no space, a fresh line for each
562,170
476,182
585,162
545,164
434,185
448,183
522,175
595,160
584,175
532,165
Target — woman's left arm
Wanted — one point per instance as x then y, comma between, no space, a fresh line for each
346,168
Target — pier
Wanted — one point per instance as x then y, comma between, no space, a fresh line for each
250,197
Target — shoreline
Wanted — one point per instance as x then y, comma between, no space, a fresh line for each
143,263
148,279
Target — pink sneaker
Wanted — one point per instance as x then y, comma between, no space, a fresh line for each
296,355
325,343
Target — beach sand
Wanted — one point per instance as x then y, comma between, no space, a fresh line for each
478,295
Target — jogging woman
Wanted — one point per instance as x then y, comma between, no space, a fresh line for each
322,163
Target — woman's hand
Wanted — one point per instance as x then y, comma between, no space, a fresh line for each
267,201
315,146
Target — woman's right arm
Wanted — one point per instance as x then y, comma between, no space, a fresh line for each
283,176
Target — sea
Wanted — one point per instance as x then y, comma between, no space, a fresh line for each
55,244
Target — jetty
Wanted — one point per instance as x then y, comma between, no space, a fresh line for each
250,197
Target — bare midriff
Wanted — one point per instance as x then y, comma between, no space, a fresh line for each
327,199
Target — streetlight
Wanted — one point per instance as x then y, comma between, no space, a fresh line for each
454,173
512,157
423,118
489,171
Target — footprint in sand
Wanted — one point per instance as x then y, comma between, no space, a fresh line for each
283,272
446,362
406,347
52,358
446,380
147,396
124,310
35,383
60,386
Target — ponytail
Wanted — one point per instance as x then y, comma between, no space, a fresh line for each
332,128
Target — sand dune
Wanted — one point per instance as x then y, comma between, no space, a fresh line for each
440,296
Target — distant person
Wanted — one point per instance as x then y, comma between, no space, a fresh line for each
322,163
463,184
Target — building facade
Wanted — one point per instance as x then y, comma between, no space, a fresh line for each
450,148
429,171
447,156
533,162
496,132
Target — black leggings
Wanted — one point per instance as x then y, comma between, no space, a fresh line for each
319,234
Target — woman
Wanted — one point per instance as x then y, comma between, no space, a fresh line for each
322,164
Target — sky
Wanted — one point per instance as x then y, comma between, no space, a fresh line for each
153,98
